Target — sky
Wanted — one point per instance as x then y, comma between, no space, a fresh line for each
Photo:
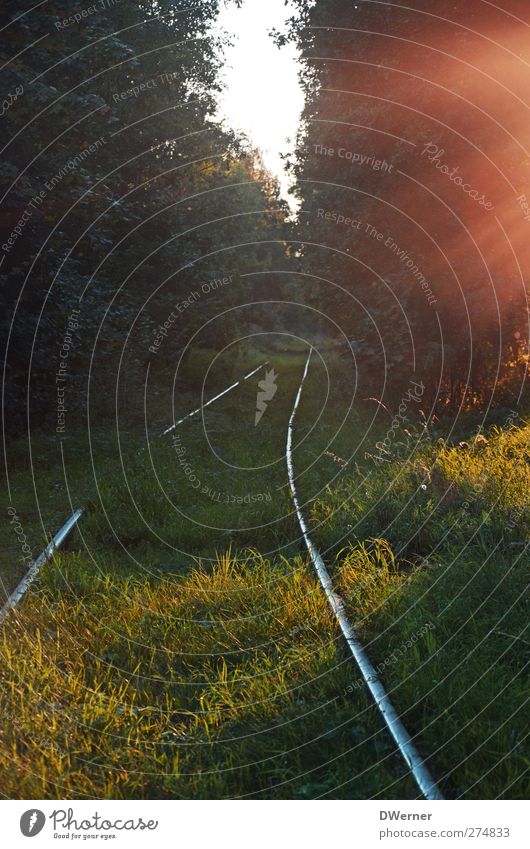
263,97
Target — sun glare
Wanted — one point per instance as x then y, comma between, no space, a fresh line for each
263,98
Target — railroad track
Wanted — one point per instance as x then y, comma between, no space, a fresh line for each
63,532
215,398
399,733
37,565
401,737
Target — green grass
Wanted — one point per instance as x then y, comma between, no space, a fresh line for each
457,521
180,645
226,683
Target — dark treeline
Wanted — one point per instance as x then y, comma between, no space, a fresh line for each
414,131
122,197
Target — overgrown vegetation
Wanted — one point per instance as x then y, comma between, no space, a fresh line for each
180,645
228,677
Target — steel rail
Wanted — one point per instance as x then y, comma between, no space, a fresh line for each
410,754
63,532
35,568
215,398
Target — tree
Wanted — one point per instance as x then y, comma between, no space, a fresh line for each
409,168
121,195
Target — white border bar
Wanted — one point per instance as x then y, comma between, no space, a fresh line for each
263,824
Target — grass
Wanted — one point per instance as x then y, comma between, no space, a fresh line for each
226,683
456,519
181,647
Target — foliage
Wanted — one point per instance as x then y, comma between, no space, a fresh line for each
399,106
144,197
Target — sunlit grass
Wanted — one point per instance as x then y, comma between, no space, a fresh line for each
185,649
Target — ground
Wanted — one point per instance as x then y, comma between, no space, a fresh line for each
181,646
